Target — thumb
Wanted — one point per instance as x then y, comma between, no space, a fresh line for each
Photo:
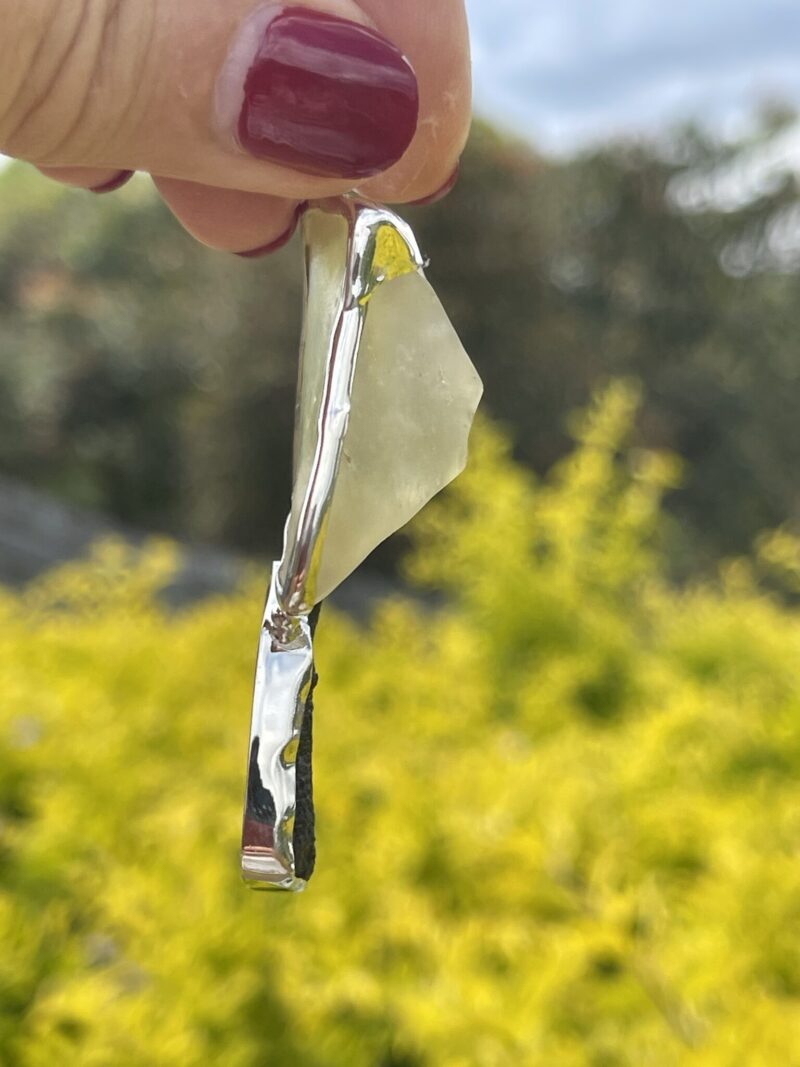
287,100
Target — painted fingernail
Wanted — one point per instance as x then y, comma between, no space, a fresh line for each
116,182
441,192
279,242
327,96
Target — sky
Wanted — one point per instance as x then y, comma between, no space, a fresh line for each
570,72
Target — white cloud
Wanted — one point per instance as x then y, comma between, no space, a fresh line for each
573,71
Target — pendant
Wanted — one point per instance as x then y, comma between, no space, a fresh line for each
385,400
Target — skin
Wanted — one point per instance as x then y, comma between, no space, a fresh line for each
92,87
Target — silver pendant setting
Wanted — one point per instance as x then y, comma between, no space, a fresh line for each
354,249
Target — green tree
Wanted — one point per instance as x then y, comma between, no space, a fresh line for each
155,379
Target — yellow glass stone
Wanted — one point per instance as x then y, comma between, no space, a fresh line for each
413,400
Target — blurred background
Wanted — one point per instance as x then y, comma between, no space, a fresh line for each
558,735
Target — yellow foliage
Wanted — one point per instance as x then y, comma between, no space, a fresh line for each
559,819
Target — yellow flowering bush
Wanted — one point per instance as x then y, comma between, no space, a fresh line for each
558,817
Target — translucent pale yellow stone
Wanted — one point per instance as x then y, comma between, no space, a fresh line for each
414,397
326,239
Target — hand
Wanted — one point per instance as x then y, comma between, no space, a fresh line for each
240,111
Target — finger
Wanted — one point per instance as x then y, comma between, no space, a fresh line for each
294,102
434,36
249,224
96,180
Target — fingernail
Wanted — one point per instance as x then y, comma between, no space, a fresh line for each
116,182
327,96
441,192
279,242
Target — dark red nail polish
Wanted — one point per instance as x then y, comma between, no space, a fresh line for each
328,97
279,242
116,182
441,192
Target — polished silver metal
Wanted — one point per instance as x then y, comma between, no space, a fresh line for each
284,670
284,673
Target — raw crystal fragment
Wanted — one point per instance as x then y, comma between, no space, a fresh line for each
326,244
414,397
